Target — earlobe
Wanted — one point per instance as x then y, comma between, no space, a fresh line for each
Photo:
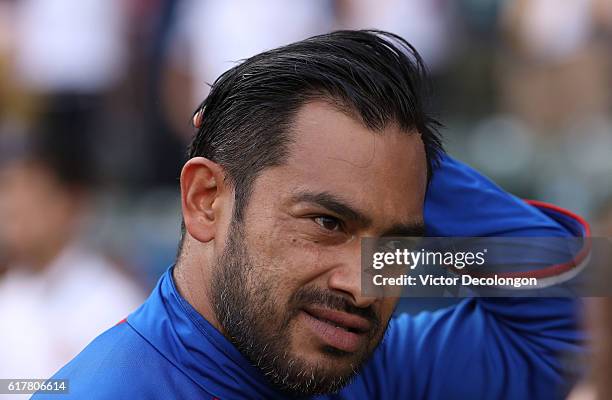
201,186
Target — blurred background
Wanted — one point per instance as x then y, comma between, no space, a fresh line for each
96,98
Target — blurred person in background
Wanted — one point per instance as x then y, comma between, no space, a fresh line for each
597,385
601,318
56,295
556,68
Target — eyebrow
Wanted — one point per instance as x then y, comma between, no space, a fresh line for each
341,207
334,204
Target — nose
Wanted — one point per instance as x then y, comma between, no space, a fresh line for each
346,277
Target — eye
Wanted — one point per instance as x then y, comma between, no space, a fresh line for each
328,223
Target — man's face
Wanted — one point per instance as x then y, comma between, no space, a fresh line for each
287,288
37,212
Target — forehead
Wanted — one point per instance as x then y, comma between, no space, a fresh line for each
382,172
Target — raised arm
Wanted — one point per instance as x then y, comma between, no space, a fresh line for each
483,348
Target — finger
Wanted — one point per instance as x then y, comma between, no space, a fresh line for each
197,119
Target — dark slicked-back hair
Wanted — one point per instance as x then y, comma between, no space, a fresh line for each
376,77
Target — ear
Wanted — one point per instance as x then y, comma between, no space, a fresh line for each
203,193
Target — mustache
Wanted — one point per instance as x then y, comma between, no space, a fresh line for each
336,302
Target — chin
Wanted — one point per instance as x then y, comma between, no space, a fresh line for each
326,368
326,359
311,367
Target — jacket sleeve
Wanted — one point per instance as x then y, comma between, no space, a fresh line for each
483,348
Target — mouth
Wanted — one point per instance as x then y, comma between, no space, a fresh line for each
340,330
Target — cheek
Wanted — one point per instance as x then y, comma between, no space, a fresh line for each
285,254
387,306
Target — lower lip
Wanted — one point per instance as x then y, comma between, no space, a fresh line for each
338,338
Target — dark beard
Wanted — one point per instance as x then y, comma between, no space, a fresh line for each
244,304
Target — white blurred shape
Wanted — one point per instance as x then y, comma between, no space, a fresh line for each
50,316
555,30
221,33
423,23
67,45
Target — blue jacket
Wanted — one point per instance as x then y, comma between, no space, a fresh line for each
482,348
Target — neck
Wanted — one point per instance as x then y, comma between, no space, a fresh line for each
193,284
44,255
